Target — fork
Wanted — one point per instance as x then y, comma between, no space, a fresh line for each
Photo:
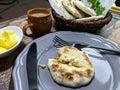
58,42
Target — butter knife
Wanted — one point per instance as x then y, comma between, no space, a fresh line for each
31,66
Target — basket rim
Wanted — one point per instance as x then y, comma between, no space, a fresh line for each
104,20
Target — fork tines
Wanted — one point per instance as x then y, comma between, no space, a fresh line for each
59,42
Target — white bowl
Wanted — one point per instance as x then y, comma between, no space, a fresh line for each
19,34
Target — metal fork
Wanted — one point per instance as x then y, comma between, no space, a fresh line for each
58,42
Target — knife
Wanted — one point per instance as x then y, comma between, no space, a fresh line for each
31,66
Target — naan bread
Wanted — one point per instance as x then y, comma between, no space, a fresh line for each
60,5
79,4
69,6
72,67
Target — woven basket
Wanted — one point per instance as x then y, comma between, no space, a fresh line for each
92,26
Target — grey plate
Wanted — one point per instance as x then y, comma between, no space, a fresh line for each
107,67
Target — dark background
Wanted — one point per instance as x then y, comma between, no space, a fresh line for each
117,2
10,9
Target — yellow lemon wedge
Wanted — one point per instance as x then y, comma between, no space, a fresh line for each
7,39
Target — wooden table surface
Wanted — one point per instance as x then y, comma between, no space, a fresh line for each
11,16
7,63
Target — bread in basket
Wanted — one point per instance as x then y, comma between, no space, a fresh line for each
91,26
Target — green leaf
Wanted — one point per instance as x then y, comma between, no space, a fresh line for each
96,5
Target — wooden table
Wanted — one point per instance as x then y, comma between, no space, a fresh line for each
7,63
11,16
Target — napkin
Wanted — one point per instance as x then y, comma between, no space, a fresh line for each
105,3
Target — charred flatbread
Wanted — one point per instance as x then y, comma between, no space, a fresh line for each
72,67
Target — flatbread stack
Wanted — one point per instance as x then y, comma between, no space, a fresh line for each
74,9
70,7
58,6
84,8
72,67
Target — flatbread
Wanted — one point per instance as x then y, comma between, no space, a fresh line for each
72,67
79,4
69,6
66,13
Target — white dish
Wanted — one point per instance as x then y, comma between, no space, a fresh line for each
18,32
